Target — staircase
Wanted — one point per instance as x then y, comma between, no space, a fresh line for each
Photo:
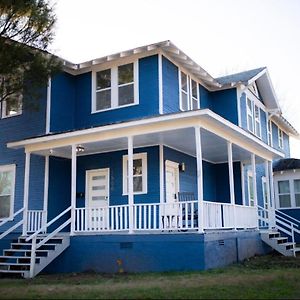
282,224
280,244
19,261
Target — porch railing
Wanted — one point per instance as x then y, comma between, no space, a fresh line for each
36,219
181,216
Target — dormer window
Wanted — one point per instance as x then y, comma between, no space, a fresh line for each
189,93
253,118
253,89
280,138
270,139
115,87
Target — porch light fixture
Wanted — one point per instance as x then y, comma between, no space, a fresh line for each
79,149
182,167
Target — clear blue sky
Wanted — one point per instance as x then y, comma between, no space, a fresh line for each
223,36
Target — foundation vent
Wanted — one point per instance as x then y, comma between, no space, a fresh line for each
221,242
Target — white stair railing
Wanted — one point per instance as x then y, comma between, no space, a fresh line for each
15,226
33,237
36,219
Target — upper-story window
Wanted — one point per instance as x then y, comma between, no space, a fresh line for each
115,87
280,138
253,118
189,93
253,89
11,106
269,132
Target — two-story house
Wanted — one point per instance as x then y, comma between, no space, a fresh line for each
139,161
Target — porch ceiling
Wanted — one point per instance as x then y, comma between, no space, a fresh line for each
214,148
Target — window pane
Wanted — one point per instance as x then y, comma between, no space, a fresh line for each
138,184
194,89
257,128
250,123
284,201
184,101
125,73
103,99
183,82
251,192
126,94
256,112
137,167
195,104
297,185
103,79
297,199
249,104
5,183
283,187
13,105
4,206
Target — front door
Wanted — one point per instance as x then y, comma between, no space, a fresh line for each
172,186
97,198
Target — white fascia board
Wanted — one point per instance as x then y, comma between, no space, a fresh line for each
205,118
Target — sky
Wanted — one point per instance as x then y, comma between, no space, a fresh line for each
222,36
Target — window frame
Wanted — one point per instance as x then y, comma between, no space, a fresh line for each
143,157
11,168
114,86
189,91
252,114
280,138
269,132
250,174
3,105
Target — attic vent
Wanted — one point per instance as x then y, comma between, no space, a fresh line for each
221,242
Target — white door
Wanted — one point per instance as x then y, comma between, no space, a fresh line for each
171,210
97,199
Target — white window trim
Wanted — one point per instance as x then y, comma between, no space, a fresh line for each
250,114
287,176
254,105
3,109
189,91
269,132
143,157
115,87
280,138
263,183
250,174
11,168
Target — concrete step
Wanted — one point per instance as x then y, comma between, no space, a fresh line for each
280,240
20,259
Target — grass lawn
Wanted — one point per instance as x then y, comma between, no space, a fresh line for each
267,277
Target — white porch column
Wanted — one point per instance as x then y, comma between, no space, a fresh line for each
73,187
46,186
254,178
199,179
268,190
26,190
130,183
231,180
272,198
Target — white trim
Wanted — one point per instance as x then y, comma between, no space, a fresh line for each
253,164
46,186
129,171
26,189
250,174
280,138
48,109
114,87
243,183
144,158
231,174
161,174
160,84
10,168
73,187
270,132
175,166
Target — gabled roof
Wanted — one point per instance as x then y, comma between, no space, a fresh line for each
286,164
241,77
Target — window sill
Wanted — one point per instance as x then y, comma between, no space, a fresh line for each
136,193
114,108
8,117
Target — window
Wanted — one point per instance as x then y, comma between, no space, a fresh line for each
297,192
7,183
253,118
253,89
269,129
284,194
250,189
139,173
189,93
115,87
11,106
280,138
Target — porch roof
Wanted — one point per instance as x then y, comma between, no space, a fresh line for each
175,130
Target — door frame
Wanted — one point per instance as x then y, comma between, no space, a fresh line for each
175,165
87,183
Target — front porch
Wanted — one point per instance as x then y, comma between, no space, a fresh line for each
209,163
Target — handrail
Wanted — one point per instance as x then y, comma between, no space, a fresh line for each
48,224
286,215
12,228
14,215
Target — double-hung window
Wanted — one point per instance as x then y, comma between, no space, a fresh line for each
139,173
7,184
115,87
253,118
284,193
189,93
280,138
257,120
269,130
250,121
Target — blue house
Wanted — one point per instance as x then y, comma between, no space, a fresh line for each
140,161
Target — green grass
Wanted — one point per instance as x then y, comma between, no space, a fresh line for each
266,277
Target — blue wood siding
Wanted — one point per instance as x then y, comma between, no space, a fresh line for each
205,99
29,124
63,102
170,87
224,103
114,161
